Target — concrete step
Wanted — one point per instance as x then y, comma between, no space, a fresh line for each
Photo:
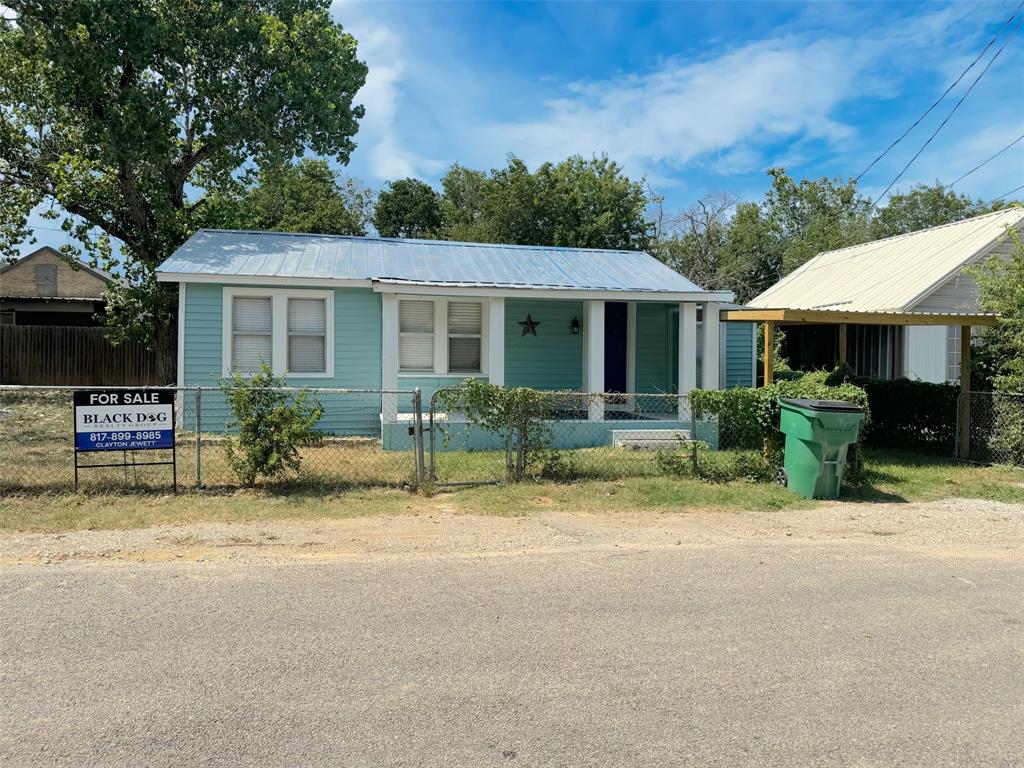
649,439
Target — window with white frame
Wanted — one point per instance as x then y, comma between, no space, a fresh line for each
465,336
441,336
416,335
290,331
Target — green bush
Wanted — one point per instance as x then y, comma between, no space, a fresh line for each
518,415
271,425
748,421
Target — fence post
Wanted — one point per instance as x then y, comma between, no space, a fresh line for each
693,435
433,466
417,421
199,437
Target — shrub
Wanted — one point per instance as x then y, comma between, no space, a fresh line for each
271,424
518,415
748,421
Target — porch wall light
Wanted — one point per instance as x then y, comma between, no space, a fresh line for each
574,326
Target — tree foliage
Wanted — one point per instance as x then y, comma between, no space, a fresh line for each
123,116
307,196
1001,284
575,203
922,207
408,208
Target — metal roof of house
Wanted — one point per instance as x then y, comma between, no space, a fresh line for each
232,253
890,275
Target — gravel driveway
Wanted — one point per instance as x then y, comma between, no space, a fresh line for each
855,634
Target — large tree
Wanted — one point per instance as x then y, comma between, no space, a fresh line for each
576,202
1001,284
307,196
408,208
124,116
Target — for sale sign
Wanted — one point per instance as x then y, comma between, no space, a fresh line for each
124,420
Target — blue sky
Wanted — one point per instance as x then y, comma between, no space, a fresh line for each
696,97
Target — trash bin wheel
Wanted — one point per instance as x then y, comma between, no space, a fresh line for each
781,478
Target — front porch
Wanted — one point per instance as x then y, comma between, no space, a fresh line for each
623,350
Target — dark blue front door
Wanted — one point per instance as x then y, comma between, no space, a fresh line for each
615,314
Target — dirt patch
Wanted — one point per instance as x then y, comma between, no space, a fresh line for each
953,527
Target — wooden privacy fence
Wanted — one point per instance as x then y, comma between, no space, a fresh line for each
68,355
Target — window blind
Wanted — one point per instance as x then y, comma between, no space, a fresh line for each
307,335
251,321
416,337
465,319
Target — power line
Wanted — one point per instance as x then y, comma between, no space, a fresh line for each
1007,194
986,162
944,93
950,115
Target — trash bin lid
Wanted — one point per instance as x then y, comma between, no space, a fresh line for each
834,406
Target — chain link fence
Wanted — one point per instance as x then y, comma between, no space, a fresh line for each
569,436
575,436
995,428
37,435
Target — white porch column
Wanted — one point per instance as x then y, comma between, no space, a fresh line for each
687,353
712,346
389,355
593,356
496,341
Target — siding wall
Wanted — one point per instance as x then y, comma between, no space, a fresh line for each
739,354
553,359
357,359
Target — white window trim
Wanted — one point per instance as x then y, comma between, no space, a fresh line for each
441,337
279,328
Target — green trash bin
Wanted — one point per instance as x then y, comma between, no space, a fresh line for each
818,435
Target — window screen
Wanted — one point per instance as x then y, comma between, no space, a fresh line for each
251,333
46,279
307,335
416,335
465,320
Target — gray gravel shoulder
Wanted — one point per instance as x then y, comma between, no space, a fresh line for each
962,527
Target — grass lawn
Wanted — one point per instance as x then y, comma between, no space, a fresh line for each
891,476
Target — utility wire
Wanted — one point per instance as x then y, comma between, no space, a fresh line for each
950,115
944,93
1007,194
985,162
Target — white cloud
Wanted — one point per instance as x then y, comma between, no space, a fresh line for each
732,104
379,134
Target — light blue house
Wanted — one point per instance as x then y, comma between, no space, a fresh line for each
391,314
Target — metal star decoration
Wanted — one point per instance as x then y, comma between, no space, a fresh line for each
529,326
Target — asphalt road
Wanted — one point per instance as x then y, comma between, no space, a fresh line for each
746,653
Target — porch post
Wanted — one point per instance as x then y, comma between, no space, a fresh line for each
496,341
389,356
842,344
712,342
593,357
965,392
769,352
687,354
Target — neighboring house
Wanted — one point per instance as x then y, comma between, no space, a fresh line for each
378,313
44,288
889,308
